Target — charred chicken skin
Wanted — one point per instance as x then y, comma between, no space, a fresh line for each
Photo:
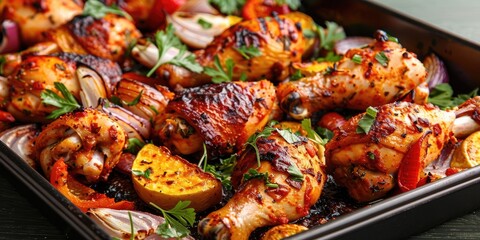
36,17
279,39
367,164
256,204
385,74
107,37
89,141
222,116
35,74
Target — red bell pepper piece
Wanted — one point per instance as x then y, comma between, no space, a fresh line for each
262,8
6,117
80,195
411,165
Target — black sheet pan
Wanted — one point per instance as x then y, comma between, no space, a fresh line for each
394,218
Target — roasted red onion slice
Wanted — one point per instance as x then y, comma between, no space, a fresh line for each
20,140
10,41
147,54
342,46
198,6
118,225
92,86
151,102
437,73
133,125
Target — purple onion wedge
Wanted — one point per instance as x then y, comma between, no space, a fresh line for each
437,73
342,46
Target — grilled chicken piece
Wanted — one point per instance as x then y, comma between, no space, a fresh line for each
257,205
35,74
222,116
354,85
108,37
89,141
279,39
367,164
36,17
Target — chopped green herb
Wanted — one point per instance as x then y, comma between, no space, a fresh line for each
228,7
243,77
249,52
253,173
65,105
186,60
382,58
330,35
3,60
120,102
203,160
330,70
204,23
132,230
289,136
292,4
145,174
177,220
366,122
98,10
295,173
330,57
309,33
223,171
153,109
392,38
325,134
218,74
252,140
442,96
134,145
311,134
357,59
166,39
371,155
296,75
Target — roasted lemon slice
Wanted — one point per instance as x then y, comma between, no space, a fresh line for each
165,179
467,155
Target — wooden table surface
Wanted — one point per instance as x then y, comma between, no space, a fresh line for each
21,217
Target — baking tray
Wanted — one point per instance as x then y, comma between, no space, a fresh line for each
393,218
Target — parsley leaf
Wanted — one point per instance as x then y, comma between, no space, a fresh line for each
145,174
120,102
311,134
325,134
203,160
218,74
249,52
166,39
442,96
296,75
330,35
366,122
392,38
253,173
330,57
98,10
186,60
252,140
223,170
204,23
176,220
289,136
357,59
295,173
228,7
134,145
382,58
65,105
292,4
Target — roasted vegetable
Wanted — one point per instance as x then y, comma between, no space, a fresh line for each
165,179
